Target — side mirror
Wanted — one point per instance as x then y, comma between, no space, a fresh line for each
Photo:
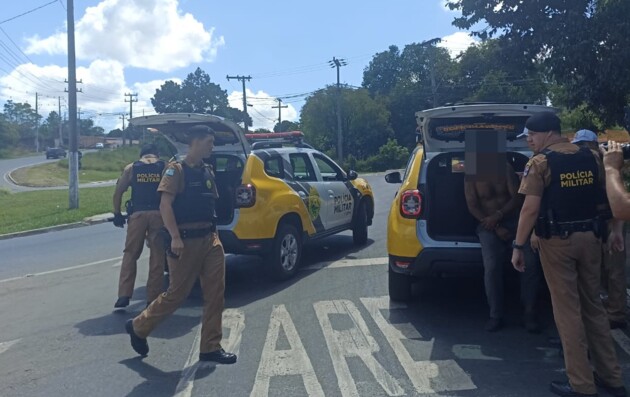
393,177
352,175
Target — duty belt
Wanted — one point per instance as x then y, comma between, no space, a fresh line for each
564,229
196,233
149,207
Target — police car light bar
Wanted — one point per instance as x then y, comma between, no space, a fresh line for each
290,135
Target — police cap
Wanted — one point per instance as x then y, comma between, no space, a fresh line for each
199,131
543,122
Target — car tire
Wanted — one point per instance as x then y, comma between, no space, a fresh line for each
360,226
286,252
399,286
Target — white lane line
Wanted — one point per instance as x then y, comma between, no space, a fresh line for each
234,320
348,263
65,269
472,352
4,346
622,339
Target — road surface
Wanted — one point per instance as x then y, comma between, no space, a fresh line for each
330,331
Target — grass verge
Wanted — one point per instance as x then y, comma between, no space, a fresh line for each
104,165
35,210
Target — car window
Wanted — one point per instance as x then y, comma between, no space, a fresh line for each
328,169
226,163
302,167
274,167
409,162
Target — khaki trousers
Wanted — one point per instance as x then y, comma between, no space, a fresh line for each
201,258
572,269
141,225
614,282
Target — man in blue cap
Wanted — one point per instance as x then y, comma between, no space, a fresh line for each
613,254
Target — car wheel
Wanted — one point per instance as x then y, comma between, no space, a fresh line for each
285,253
360,226
399,286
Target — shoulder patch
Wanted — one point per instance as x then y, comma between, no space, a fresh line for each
170,172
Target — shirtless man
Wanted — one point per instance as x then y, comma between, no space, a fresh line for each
496,205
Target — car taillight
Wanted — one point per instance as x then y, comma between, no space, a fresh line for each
411,204
245,195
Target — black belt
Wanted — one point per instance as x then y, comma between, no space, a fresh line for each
566,228
137,208
196,233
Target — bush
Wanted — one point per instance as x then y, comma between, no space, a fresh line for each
390,156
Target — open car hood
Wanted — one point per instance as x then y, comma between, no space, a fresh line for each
444,129
229,136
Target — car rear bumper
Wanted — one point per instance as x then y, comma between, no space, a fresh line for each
233,245
439,262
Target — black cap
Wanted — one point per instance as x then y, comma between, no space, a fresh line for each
149,149
543,122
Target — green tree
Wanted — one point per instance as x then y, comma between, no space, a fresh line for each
581,44
286,126
9,135
196,94
25,119
365,121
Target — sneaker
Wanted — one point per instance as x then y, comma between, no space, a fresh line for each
494,324
123,301
531,323
618,324
613,391
138,344
218,356
564,389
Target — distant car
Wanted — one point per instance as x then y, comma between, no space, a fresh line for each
55,153
99,145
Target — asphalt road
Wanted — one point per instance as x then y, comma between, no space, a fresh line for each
330,331
8,166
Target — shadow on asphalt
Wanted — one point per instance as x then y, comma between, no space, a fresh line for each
157,382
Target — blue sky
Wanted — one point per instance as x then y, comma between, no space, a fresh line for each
135,45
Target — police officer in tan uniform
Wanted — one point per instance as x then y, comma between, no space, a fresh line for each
144,221
613,254
187,206
563,187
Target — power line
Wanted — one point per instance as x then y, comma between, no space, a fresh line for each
28,12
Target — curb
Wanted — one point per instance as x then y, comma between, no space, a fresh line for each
92,220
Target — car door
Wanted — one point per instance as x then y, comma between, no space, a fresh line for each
312,190
335,185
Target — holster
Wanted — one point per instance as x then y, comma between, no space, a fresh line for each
129,207
542,228
600,228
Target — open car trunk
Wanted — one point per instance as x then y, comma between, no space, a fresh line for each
447,215
228,172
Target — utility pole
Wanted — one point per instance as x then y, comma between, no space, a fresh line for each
73,163
60,124
338,63
131,101
37,123
122,117
280,107
430,43
242,79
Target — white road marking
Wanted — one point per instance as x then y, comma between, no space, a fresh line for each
65,269
4,346
117,264
353,342
293,361
348,263
428,376
234,320
472,352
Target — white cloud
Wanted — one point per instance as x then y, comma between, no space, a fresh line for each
261,111
457,42
148,34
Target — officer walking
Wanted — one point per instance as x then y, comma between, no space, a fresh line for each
187,206
144,221
563,187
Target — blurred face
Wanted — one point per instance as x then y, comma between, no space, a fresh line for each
536,140
203,146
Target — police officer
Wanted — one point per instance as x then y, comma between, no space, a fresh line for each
187,206
144,221
563,186
613,254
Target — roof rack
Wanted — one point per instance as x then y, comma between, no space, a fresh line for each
276,139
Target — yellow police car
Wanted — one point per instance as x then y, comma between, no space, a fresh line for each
430,231
276,193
